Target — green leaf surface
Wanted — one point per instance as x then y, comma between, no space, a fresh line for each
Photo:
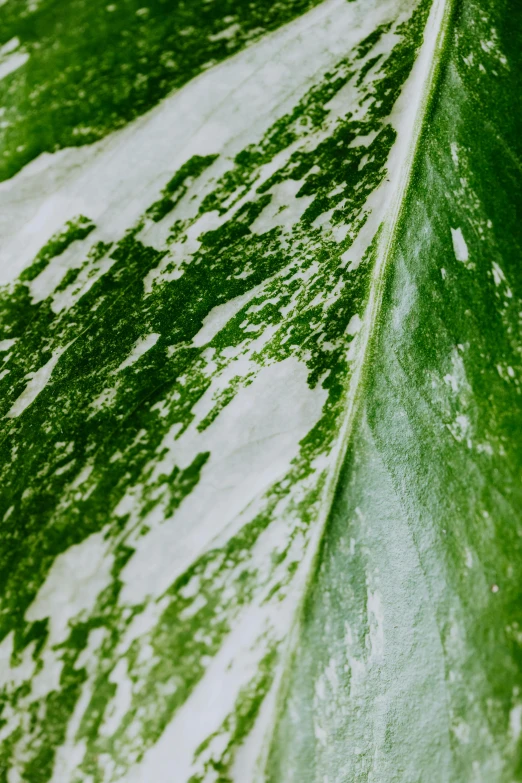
261,434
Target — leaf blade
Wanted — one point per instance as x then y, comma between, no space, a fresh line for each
209,393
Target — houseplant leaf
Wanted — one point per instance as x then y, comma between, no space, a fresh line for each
259,456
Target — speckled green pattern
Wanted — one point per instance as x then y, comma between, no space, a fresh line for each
184,369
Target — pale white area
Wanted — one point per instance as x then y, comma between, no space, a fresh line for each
10,46
226,34
457,378
460,247
362,141
10,59
48,678
72,586
452,382
140,347
460,427
461,730
82,476
122,699
37,381
219,316
325,685
284,209
460,394
142,624
455,152
498,274
5,345
251,445
515,722
354,325
14,676
106,397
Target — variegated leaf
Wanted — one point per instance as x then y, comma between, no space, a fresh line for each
261,340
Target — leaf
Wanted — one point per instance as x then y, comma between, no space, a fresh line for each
260,466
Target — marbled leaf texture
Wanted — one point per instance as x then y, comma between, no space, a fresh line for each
260,365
